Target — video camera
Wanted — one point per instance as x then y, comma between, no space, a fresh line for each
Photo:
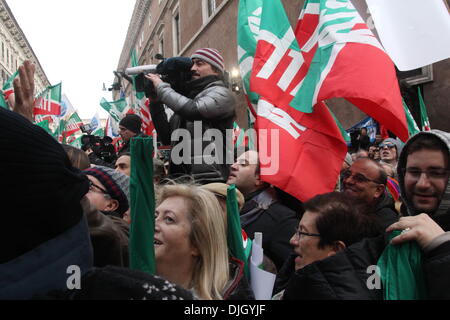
102,147
176,71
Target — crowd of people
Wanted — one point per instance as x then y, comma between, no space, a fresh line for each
65,208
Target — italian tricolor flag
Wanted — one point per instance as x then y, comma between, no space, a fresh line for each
49,101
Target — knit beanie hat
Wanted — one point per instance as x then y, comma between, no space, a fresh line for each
132,122
41,191
116,184
212,56
398,144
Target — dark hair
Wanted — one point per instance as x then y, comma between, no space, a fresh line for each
77,157
427,142
341,218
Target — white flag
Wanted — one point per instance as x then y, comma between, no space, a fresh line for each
414,33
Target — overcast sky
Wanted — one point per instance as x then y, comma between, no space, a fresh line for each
78,42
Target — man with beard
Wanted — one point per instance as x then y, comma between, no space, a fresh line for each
207,104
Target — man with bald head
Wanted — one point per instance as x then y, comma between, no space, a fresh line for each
366,181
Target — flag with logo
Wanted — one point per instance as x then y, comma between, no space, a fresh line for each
342,58
423,112
49,101
66,107
73,125
95,122
311,143
7,91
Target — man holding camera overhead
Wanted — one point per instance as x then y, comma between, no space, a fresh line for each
208,103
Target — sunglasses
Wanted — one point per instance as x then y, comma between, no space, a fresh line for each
390,146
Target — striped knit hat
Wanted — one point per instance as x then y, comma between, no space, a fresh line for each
116,183
212,56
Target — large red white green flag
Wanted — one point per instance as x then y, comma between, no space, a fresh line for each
342,58
49,101
311,144
73,125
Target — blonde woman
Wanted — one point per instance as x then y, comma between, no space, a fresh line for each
191,243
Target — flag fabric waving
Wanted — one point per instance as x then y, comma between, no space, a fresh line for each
49,101
249,17
116,108
423,112
412,125
142,106
7,90
311,143
142,196
234,230
72,125
342,58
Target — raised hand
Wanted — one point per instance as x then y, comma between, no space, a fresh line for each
24,90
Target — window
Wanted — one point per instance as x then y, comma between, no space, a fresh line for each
3,51
209,7
176,33
161,44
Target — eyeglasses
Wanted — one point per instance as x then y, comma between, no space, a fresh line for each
93,185
299,234
358,178
390,146
432,174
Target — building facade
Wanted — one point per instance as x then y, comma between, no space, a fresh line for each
15,49
179,27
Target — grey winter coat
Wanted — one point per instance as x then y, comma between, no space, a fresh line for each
209,105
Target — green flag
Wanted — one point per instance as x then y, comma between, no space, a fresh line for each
400,268
139,96
100,132
7,90
142,196
234,229
423,112
114,108
412,126
45,125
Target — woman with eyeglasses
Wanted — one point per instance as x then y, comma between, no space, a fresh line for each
331,222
